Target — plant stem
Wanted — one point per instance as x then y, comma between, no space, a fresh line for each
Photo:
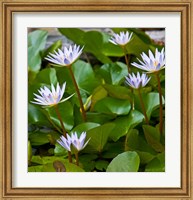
69,157
143,107
125,144
56,127
60,119
126,59
77,160
133,102
78,93
63,129
161,106
87,59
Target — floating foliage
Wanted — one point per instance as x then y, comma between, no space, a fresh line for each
120,127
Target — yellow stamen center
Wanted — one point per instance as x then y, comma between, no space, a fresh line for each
155,63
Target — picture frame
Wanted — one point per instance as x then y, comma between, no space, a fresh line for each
6,156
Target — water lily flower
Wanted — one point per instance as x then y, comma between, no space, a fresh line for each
65,57
79,143
121,39
65,142
51,97
137,81
151,63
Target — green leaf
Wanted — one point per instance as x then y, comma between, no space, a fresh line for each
84,127
47,162
142,35
41,137
63,75
37,116
37,160
37,168
33,88
137,142
111,150
113,73
29,150
84,76
51,159
94,41
77,115
60,151
101,165
111,105
68,166
37,39
47,76
88,161
123,124
36,43
98,117
34,60
46,159
31,76
145,157
152,102
152,136
98,94
48,168
132,140
74,34
118,92
125,162
66,112
99,137
110,49
157,164
52,48
38,138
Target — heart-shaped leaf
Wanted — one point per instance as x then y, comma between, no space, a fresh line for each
157,164
46,76
152,136
85,76
123,124
84,127
52,48
41,137
36,43
125,162
151,101
66,112
37,116
118,92
113,73
111,105
99,137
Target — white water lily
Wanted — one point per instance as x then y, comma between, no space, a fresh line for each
47,97
151,63
65,142
121,39
137,81
65,57
77,142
